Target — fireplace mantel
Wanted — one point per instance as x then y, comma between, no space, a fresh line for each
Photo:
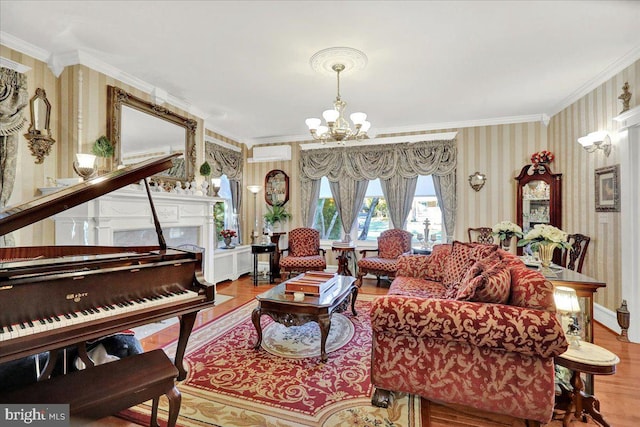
124,218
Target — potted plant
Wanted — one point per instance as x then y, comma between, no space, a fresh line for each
103,148
276,214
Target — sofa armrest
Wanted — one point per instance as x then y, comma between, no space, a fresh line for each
410,265
514,329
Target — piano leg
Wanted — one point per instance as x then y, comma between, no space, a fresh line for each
186,325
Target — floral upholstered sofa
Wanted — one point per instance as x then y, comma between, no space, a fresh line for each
469,325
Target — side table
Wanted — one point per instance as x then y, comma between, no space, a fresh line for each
275,239
262,249
589,359
344,255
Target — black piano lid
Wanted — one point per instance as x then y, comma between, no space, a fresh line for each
15,217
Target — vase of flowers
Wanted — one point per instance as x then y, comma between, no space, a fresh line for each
544,238
543,157
227,235
505,230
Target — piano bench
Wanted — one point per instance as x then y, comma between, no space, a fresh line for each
104,390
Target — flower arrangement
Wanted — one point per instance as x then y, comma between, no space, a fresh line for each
228,233
505,230
543,156
545,234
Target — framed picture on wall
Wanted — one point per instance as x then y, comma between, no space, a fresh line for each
276,188
608,189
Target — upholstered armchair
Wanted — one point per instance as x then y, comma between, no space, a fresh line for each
391,244
304,253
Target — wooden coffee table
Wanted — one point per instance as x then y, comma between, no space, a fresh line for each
282,308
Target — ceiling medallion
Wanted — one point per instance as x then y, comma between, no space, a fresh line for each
338,60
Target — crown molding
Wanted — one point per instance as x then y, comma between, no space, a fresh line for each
216,141
22,46
632,56
13,65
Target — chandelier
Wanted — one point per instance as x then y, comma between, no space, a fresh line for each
337,127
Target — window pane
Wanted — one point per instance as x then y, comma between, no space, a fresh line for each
373,217
425,205
327,221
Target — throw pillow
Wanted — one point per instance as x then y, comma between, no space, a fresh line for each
437,259
463,256
487,282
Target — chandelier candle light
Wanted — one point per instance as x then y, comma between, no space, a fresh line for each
337,127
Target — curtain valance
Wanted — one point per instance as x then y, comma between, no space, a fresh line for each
224,161
379,161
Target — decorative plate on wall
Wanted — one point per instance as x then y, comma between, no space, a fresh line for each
276,187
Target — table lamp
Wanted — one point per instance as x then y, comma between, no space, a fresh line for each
568,305
255,189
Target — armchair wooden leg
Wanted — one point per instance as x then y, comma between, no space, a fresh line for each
359,279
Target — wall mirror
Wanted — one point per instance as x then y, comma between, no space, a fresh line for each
276,188
39,134
140,130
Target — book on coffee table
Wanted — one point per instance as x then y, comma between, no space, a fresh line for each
311,283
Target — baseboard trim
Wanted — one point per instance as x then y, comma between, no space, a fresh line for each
606,317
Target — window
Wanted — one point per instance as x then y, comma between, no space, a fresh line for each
425,206
223,215
327,221
373,217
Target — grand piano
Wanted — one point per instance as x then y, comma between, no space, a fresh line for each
52,297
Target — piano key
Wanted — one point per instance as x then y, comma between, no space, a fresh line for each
95,313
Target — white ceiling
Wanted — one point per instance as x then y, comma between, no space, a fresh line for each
244,66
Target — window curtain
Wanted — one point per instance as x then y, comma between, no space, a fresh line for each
349,195
406,160
13,98
310,194
398,192
225,161
445,187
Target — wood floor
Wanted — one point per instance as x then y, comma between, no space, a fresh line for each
618,394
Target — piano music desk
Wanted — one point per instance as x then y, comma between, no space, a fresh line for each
103,390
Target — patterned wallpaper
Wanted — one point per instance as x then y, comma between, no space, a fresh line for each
593,112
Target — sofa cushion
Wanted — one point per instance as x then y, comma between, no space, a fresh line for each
463,256
415,287
436,262
487,281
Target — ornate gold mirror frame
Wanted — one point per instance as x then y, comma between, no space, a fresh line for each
117,98
39,134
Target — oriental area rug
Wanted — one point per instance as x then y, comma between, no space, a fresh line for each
283,384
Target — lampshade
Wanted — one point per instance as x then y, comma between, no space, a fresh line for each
216,182
330,116
566,300
313,123
255,189
358,118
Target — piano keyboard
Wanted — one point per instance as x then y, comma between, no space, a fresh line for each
33,327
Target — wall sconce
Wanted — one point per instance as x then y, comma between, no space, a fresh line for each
215,186
255,189
568,305
85,165
596,141
477,180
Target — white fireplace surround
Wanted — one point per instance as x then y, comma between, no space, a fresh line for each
124,218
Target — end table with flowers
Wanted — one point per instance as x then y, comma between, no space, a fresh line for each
505,231
227,235
545,238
